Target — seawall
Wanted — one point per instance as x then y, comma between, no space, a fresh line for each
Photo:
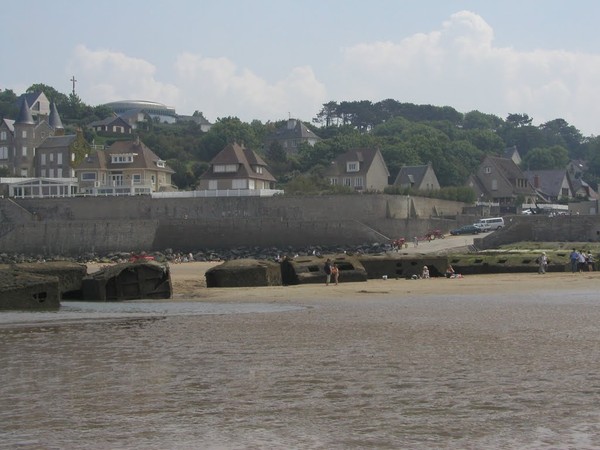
71,226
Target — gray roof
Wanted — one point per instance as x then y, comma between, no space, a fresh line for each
411,175
293,129
364,156
54,119
548,182
52,142
25,114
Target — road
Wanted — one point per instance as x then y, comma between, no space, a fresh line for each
442,245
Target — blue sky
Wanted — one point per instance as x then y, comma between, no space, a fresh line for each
266,60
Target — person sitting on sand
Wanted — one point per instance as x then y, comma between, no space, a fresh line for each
425,273
450,272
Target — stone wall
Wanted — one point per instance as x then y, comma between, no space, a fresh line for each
541,228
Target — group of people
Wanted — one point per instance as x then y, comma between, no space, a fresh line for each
581,261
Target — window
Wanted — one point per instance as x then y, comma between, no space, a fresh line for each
352,166
59,172
2,135
50,173
225,168
122,159
333,181
3,152
238,184
258,169
23,172
212,185
494,185
43,159
51,157
24,151
358,182
59,158
43,173
251,184
488,169
88,176
347,181
160,163
137,178
24,133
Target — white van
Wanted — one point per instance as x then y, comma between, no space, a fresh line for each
490,224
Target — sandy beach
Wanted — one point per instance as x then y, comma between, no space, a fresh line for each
189,283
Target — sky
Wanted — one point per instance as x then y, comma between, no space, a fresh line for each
273,59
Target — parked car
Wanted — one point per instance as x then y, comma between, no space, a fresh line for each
467,229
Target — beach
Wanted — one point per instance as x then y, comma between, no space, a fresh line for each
189,283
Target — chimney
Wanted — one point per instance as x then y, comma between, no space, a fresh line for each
536,181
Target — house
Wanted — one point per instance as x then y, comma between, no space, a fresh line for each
291,135
362,169
112,125
125,168
552,185
236,167
576,171
419,178
20,138
56,156
501,181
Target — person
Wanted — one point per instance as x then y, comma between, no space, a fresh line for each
450,272
425,273
581,264
335,273
416,241
574,257
327,269
590,262
542,262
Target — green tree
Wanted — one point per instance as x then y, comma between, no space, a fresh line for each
8,104
555,157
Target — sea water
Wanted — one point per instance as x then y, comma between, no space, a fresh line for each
374,372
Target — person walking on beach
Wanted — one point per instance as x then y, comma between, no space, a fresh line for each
581,264
335,273
542,263
327,269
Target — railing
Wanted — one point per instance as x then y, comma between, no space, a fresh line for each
220,193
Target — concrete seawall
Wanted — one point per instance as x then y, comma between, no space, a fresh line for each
71,226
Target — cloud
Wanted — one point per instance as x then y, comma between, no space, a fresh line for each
106,76
218,87
458,65
215,86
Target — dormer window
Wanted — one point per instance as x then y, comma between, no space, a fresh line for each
487,169
160,163
225,168
123,158
352,166
258,169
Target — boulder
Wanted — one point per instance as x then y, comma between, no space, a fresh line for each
309,269
22,291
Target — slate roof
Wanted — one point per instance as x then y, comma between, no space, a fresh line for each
25,115
10,124
412,175
298,130
549,182
244,158
364,156
52,142
54,119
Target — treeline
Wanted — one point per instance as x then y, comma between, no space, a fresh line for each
407,134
